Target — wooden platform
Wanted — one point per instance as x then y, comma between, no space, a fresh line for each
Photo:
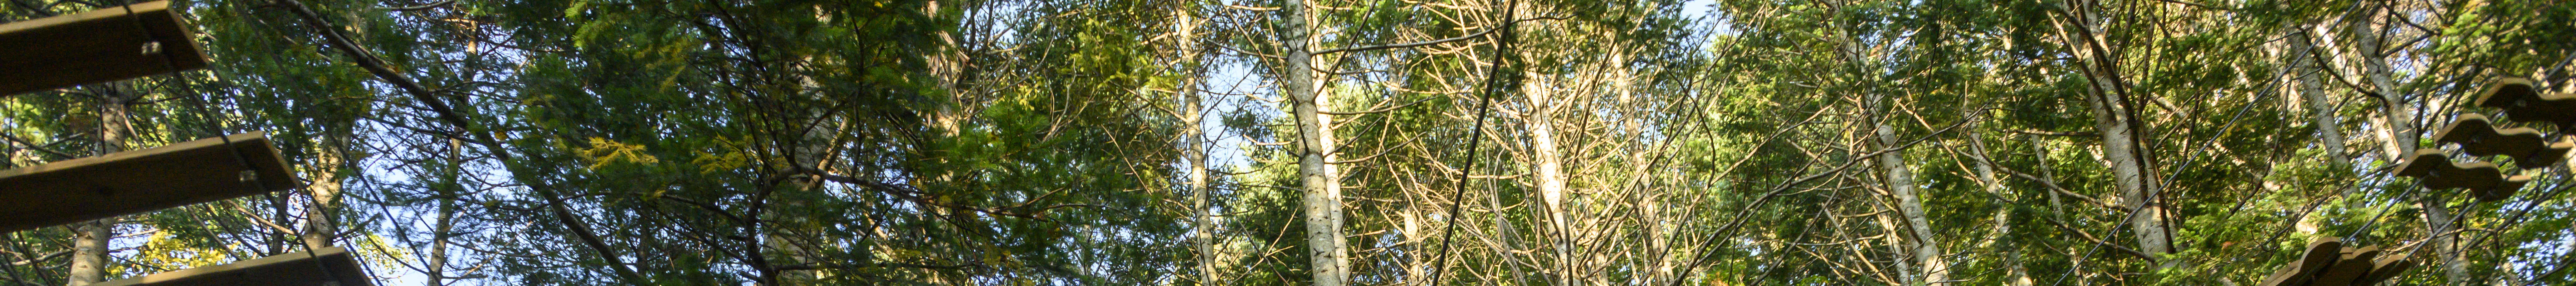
137,181
292,269
96,46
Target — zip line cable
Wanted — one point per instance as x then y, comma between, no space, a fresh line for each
1475,139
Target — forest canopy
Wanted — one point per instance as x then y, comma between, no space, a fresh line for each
1324,142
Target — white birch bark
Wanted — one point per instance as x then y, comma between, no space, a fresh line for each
1185,27
2117,121
1550,171
89,239
2398,124
1323,195
2303,61
1909,204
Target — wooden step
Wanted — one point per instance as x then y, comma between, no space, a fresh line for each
2386,267
292,269
2479,136
138,181
2435,170
2523,102
96,46
2320,253
2350,268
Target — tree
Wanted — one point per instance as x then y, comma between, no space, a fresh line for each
1440,142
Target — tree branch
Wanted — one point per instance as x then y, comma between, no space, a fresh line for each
440,3
819,266
1430,42
373,64
2098,241
555,202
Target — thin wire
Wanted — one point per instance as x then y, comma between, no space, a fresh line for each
1493,76
2366,225
2310,209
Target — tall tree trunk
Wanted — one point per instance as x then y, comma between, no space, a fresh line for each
1900,183
1185,23
281,213
2399,125
446,219
2304,61
2056,205
2119,145
1895,235
790,234
1323,198
2117,120
2015,274
2397,122
319,227
1551,173
89,239
1509,238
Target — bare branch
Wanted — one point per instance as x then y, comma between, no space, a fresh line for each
1430,42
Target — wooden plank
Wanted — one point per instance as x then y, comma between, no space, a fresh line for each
2320,253
137,181
2479,136
2512,184
292,269
2385,268
2434,170
2437,171
96,46
2355,263
2523,102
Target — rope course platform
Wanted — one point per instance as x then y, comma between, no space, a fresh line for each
2330,262
96,46
291,269
2479,136
137,181
124,42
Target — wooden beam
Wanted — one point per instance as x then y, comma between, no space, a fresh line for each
292,269
96,46
137,181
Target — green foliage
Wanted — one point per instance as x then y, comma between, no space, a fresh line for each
926,142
